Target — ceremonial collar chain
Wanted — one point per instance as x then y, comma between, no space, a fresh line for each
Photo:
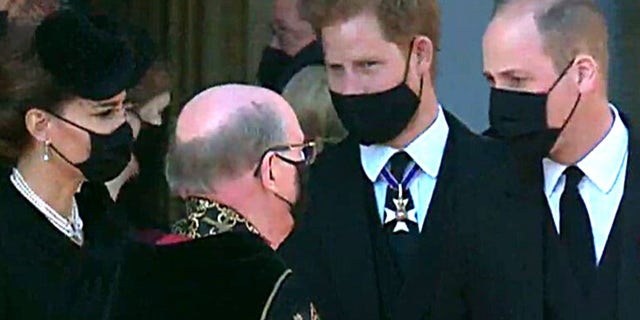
70,227
207,218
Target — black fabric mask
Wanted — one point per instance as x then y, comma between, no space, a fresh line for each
520,119
298,207
272,65
377,118
110,153
277,68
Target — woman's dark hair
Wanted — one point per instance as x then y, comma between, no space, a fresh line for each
156,80
24,85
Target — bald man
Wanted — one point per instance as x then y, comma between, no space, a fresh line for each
556,235
237,160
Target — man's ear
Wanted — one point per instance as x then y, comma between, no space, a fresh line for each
587,70
266,172
424,51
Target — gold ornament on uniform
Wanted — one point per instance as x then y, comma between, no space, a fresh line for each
207,218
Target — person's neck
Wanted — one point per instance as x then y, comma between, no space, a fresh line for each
303,43
50,184
584,134
422,120
130,171
273,233
274,226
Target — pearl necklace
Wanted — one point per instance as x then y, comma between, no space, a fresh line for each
70,227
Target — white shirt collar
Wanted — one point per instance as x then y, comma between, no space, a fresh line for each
426,150
601,166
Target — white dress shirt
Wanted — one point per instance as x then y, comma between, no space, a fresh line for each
426,150
601,188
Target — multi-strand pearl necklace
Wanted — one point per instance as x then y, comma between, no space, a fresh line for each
71,227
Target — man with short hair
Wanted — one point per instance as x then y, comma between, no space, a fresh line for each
557,236
294,45
237,161
371,243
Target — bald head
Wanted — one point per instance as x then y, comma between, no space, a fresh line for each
221,134
213,108
567,27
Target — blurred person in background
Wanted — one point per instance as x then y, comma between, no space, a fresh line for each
293,46
148,96
308,94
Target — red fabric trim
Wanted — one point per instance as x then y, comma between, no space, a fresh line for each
171,239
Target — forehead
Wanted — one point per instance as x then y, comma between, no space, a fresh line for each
85,105
358,36
117,99
513,42
283,9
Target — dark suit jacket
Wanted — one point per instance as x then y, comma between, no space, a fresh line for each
332,246
496,261
233,275
308,56
43,275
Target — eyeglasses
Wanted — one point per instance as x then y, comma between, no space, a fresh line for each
308,151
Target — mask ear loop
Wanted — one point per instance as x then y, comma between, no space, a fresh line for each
52,147
279,196
562,74
77,125
408,62
573,110
75,165
406,68
72,123
575,105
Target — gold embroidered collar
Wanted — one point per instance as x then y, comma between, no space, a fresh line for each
207,218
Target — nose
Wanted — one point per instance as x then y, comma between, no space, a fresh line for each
349,84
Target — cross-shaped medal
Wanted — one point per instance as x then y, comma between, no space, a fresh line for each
401,215
401,205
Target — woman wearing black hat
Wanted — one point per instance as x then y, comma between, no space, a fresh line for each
63,132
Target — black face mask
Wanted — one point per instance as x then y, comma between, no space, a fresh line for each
110,153
272,65
277,68
378,117
298,207
520,119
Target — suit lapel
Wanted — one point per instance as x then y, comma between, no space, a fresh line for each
350,250
629,272
527,212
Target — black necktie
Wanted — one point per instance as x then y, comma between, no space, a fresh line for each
575,229
402,243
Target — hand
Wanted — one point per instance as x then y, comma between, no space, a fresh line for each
151,111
